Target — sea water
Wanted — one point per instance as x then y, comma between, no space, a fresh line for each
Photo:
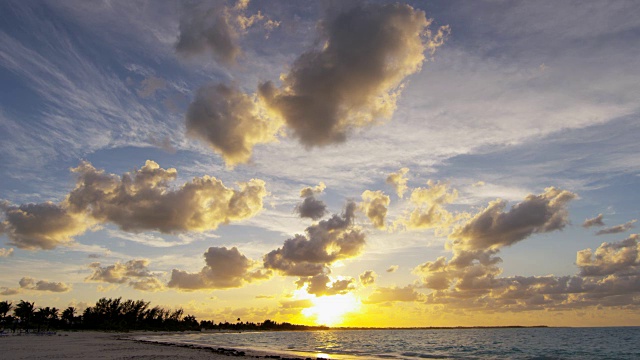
500,343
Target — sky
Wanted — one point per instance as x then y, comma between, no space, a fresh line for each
348,163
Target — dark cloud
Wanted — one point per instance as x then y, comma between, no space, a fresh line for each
143,200
311,207
42,285
494,228
322,285
392,268
208,30
225,268
596,221
470,280
217,29
138,201
617,229
329,240
355,79
368,277
228,121
41,226
611,258
374,205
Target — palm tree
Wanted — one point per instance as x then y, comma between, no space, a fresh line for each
24,312
5,307
69,315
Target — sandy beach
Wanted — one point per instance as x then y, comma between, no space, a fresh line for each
100,345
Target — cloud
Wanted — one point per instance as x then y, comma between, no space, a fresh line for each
393,294
208,30
374,205
142,200
5,291
150,85
329,240
368,277
229,122
596,221
311,207
392,268
399,181
138,201
610,258
41,226
149,284
617,229
119,273
323,285
225,268
134,272
355,79
4,252
470,279
493,228
43,285
429,211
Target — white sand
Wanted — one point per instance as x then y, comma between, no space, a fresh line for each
99,345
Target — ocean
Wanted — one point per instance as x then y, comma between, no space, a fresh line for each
500,343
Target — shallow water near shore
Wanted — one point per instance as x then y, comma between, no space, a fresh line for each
503,343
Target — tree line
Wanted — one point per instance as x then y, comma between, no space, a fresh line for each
120,315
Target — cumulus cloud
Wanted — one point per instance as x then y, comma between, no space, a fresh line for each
229,121
311,207
4,252
143,200
471,277
393,294
323,285
149,284
225,268
399,181
216,30
356,77
368,277
596,221
43,285
327,241
119,273
41,226
610,258
493,228
374,205
617,229
429,211
138,201
208,30
392,268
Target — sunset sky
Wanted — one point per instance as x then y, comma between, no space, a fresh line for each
421,163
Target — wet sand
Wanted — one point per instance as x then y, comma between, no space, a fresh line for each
100,345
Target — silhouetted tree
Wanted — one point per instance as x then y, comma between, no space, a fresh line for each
24,311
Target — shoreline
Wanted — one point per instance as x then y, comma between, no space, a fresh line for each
123,346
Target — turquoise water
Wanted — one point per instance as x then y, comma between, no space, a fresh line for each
532,343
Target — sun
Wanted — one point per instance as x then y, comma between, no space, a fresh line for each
330,310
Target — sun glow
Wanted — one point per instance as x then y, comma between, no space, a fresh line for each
330,310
